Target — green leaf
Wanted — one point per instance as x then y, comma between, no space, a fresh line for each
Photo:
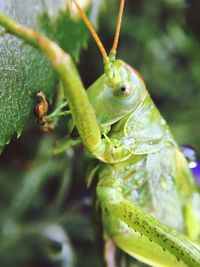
23,70
70,34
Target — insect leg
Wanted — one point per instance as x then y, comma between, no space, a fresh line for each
110,194
66,70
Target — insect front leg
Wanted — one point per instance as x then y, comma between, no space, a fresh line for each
137,232
66,70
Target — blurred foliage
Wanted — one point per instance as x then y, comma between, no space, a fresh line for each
47,214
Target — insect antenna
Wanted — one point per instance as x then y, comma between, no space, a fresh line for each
118,27
92,31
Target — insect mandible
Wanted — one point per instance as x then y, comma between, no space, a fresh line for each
147,194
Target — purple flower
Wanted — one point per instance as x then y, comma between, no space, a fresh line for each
193,163
196,172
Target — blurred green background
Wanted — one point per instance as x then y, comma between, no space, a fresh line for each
47,214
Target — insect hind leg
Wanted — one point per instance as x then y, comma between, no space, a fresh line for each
109,192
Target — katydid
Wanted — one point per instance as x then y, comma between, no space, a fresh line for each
149,200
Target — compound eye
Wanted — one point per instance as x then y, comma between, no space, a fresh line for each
124,90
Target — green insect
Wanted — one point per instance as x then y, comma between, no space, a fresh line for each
149,200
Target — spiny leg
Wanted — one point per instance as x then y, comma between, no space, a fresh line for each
110,195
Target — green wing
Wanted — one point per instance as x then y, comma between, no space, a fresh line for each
161,176
190,196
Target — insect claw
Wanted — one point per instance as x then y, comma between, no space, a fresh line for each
42,107
41,110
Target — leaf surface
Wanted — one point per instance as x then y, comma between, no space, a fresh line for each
24,70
